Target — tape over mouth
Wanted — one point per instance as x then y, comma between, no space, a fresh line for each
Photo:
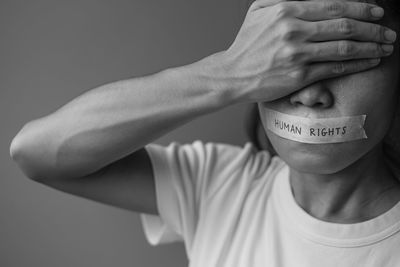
315,131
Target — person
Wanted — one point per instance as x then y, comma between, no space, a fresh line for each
327,199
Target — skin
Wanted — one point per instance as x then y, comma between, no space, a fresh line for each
344,182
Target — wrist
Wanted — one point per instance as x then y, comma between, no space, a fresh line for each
212,74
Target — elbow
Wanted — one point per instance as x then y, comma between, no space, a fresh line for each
13,149
28,153
19,156
36,150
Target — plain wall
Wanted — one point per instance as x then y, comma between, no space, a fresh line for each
51,52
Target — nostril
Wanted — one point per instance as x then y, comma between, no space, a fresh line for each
312,96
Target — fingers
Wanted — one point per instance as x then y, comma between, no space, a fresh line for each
345,28
344,50
324,10
319,71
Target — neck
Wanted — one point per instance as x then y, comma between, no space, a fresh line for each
360,192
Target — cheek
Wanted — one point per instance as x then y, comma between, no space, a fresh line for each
365,89
373,93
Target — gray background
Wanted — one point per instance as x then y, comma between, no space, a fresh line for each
53,51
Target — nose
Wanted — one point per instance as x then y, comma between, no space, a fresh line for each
315,95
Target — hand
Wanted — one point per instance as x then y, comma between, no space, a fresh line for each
285,46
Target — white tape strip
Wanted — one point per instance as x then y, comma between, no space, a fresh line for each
315,131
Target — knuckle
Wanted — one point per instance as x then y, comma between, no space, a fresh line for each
380,32
290,54
339,67
335,8
318,29
345,48
254,4
319,52
345,26
289,31
282,10
376,49
316,52
365,11
298,74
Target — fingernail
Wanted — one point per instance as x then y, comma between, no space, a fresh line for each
377,12
374,61
390,35
387,48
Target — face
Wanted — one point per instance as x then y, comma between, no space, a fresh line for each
372,92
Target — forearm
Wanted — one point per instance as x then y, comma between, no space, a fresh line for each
116,119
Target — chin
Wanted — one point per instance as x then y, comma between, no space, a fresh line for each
311,163
318,158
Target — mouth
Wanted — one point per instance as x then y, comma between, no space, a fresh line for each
314,130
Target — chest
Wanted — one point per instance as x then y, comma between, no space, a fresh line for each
255,234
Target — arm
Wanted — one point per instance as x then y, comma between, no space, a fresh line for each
116,119
109,122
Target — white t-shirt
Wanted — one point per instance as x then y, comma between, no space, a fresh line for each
233,207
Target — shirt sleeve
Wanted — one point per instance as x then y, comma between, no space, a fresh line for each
185,174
